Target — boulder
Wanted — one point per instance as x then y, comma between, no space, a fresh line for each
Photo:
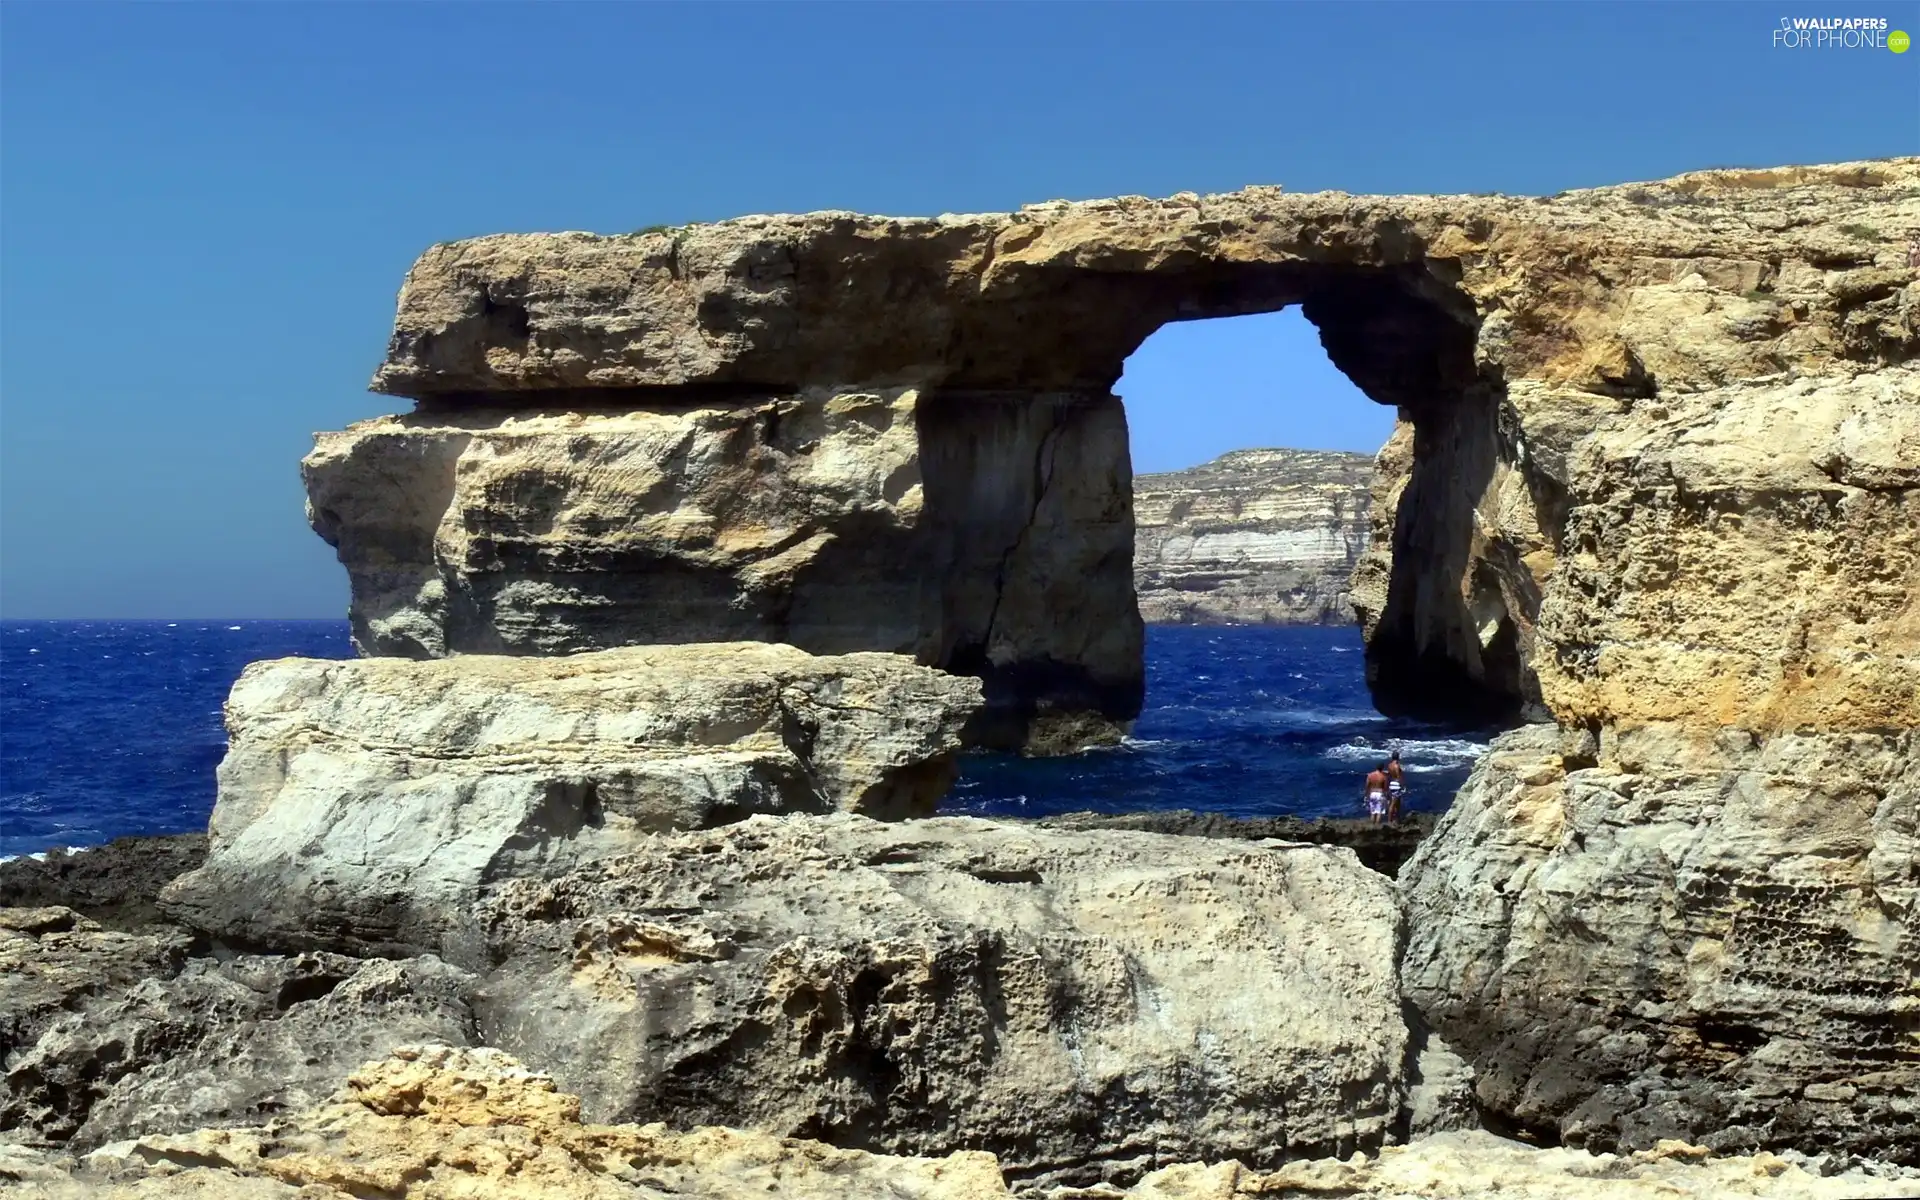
1080,1004
363,805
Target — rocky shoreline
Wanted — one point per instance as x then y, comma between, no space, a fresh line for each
116,885
615,866
158,1066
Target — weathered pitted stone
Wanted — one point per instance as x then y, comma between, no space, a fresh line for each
1254,537
1065,1000
364,805
1661,935
1746,556
55,962
223,1043
435,1121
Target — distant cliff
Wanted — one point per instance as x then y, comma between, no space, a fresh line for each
1254,537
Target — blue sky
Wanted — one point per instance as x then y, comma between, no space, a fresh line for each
206,210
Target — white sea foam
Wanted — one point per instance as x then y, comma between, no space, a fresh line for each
41,856
1416,754
231,628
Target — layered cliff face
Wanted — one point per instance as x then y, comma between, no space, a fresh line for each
1255,537
1504,329
1653,486
832,521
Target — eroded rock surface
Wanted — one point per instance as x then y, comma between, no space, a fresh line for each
1255,537
54,962
832,522
1663,935
365,805
106,1034
434,1121
1078,1003
224,1042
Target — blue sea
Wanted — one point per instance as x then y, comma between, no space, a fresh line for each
109,728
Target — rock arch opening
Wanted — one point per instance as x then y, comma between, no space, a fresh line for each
1031,488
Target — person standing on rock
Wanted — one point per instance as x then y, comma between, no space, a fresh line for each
1375,793
1396,787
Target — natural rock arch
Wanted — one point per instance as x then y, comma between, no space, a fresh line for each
1012,561
1658,481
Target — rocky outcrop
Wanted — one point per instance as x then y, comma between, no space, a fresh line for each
106,1034
1664,935
1654,483
1505,329
366,805
1716,866
115,885
1077,1004
1255,537
834,522
53,961
436,1121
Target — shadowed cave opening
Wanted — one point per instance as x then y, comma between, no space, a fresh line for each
1253,712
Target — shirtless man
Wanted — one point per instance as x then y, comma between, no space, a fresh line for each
1396,788
1375,793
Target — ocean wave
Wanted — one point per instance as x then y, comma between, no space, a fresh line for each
1418,754
41,855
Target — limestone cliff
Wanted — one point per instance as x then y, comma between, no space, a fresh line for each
834,521
1255,537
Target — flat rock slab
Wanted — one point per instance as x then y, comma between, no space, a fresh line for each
1061,999
362,803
